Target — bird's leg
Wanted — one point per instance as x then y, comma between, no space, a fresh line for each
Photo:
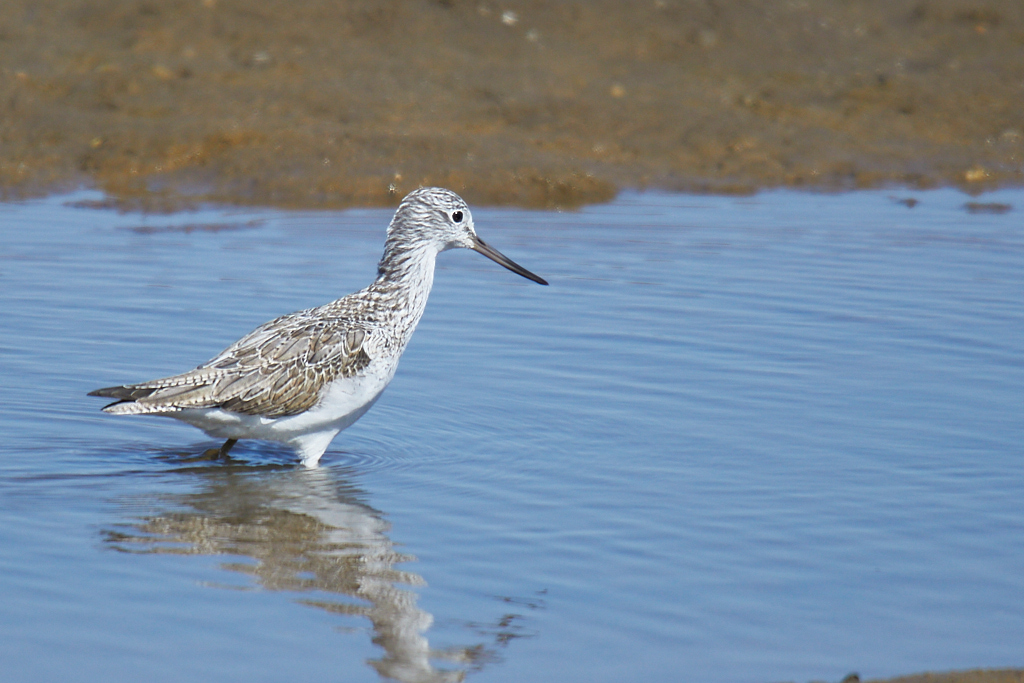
227,447
222,452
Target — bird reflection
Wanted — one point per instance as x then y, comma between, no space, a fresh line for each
309,530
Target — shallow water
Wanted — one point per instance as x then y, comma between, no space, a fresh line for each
737,439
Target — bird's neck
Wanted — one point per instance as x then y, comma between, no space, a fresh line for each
405,277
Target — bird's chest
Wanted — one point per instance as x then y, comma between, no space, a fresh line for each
346,398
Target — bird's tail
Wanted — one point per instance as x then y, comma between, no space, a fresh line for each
126,396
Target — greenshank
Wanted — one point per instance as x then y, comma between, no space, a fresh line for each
302,378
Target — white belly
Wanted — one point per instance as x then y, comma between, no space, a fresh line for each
344,401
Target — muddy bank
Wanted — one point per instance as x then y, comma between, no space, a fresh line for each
974,676
970,676
320,103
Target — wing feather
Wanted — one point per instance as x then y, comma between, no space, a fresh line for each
278,369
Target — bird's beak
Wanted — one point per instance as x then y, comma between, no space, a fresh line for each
490,252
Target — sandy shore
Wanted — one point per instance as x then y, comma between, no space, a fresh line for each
321,103
973,676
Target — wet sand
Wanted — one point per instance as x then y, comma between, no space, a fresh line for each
973,676
326,104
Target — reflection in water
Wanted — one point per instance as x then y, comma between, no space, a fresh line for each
308,531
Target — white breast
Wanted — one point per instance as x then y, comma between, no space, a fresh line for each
344,401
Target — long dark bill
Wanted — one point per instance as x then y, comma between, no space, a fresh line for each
490,252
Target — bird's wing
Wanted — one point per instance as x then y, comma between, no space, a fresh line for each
276,370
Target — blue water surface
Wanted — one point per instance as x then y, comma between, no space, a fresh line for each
741,439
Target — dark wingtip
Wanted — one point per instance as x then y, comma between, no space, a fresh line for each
107,392
123,393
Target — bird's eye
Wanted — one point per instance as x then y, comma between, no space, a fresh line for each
457,216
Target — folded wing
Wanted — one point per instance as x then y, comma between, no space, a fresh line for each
279,369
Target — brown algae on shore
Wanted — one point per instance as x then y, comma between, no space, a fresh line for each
533,104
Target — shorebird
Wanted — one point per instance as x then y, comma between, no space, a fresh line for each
302,378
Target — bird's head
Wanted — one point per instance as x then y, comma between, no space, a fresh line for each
433,217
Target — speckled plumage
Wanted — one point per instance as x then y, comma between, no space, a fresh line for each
301,378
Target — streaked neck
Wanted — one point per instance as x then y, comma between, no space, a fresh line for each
405,278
